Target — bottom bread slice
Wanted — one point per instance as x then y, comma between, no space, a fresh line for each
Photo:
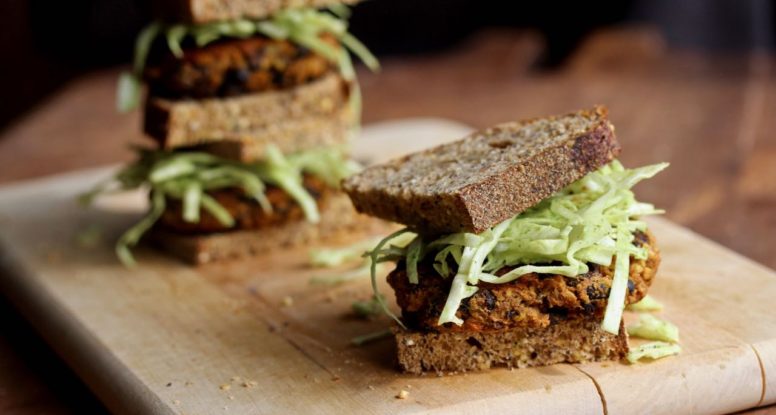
574,340
338,219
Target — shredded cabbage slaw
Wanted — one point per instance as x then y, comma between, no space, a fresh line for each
649,327
652,328
648,303
653,350
188,176
301,25
591,221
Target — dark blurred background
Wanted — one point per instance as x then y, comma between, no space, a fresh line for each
46,43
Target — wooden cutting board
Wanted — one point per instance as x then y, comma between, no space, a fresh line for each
256,337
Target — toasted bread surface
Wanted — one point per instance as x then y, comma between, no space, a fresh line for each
308,116
472,184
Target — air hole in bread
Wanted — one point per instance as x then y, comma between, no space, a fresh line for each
474,342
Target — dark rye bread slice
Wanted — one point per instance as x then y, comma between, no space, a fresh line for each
491,175
308,116
289,136
338,220
565,341
204,11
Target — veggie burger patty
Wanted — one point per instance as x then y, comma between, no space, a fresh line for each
532,300
236,66
247,213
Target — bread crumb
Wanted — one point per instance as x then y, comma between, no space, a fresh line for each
403,394
250,384
548,388
225,387
231,397
235,378
288,301
371,388
409,342
335,378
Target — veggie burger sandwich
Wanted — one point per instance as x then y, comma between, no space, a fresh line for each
252,105
527,245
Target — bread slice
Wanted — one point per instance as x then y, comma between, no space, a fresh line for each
290,136
491,175
313,115
338,219
566,341
204,11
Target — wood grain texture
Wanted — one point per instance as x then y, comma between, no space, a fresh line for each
168,338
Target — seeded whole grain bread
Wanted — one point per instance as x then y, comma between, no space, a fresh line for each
338,219
565,341
473,184
313,115
204,11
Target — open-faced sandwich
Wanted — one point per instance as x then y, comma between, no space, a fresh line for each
528,245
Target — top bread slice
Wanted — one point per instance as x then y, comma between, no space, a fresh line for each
206,11
308,116
475,183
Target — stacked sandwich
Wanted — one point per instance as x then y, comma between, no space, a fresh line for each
527,246
251,104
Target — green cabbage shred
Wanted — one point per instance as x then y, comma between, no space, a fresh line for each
652,328
366,309
333,257
188,176
371,337
591,221
302,26
648,303
653,350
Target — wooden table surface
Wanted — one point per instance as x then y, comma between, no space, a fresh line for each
712,117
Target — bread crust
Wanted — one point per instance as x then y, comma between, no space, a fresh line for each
577,340
472,184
